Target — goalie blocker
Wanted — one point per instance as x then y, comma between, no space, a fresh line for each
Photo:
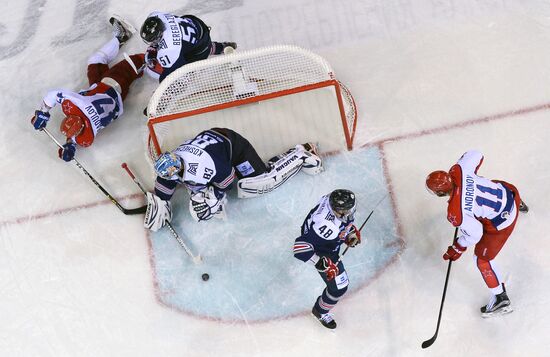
209,164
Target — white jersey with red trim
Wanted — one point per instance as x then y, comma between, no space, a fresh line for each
477,201
99,108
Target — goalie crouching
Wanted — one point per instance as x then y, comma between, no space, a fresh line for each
209,164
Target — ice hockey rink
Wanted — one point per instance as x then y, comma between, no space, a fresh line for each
431,79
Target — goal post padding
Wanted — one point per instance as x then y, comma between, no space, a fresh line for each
276,97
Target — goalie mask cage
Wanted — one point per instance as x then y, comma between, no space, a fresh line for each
276,97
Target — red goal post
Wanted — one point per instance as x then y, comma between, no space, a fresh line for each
276,97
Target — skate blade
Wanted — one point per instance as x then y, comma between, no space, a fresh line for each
505,310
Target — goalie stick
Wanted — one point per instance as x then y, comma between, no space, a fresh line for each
196,258
430,342
128,211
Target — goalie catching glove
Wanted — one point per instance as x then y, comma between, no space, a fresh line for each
354,237
207,203
327,266
158,212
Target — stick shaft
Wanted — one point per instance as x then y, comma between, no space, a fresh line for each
196,258
429,342
363,225
97,184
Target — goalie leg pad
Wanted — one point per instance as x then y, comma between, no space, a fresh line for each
158,212
282,170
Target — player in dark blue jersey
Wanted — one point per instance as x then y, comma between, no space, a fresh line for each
175,41
327,226
209,164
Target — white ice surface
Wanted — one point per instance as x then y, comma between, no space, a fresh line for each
431,79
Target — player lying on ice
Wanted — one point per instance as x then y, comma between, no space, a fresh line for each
209,164
486,212
89,111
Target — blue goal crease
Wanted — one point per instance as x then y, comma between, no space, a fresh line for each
253,273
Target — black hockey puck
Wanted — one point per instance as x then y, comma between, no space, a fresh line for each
205,277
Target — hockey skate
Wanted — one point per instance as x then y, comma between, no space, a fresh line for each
122,29
523,207
325,319
311,147
498,305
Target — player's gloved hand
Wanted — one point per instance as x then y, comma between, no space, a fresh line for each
40,119
354,237
154,68
67,152
454,251
151,56
200,210
206,203
327,266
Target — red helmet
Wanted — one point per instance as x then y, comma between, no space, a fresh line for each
439,183
72,126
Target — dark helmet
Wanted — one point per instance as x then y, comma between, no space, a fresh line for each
151,30
342,202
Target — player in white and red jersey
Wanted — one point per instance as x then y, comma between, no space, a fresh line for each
89,111
486,212
175,41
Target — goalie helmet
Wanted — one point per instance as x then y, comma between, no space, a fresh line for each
342,203
151,30
439,183
72,126
168,165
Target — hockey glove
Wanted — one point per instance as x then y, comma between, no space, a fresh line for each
158,212
207,203
67,152
153,67
40,119
454,251
327,266
354,237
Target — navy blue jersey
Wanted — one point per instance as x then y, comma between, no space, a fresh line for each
322,233
206,162
185,39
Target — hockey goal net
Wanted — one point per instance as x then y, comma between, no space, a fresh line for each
276,97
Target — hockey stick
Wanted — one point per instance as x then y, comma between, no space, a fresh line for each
131,63
362,225
196,258
128,211
430,342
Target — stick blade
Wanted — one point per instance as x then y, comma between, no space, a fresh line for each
429,342
197,259
138,210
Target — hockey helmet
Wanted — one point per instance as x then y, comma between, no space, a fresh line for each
342,203
152,29
72,126
439,183
168,165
